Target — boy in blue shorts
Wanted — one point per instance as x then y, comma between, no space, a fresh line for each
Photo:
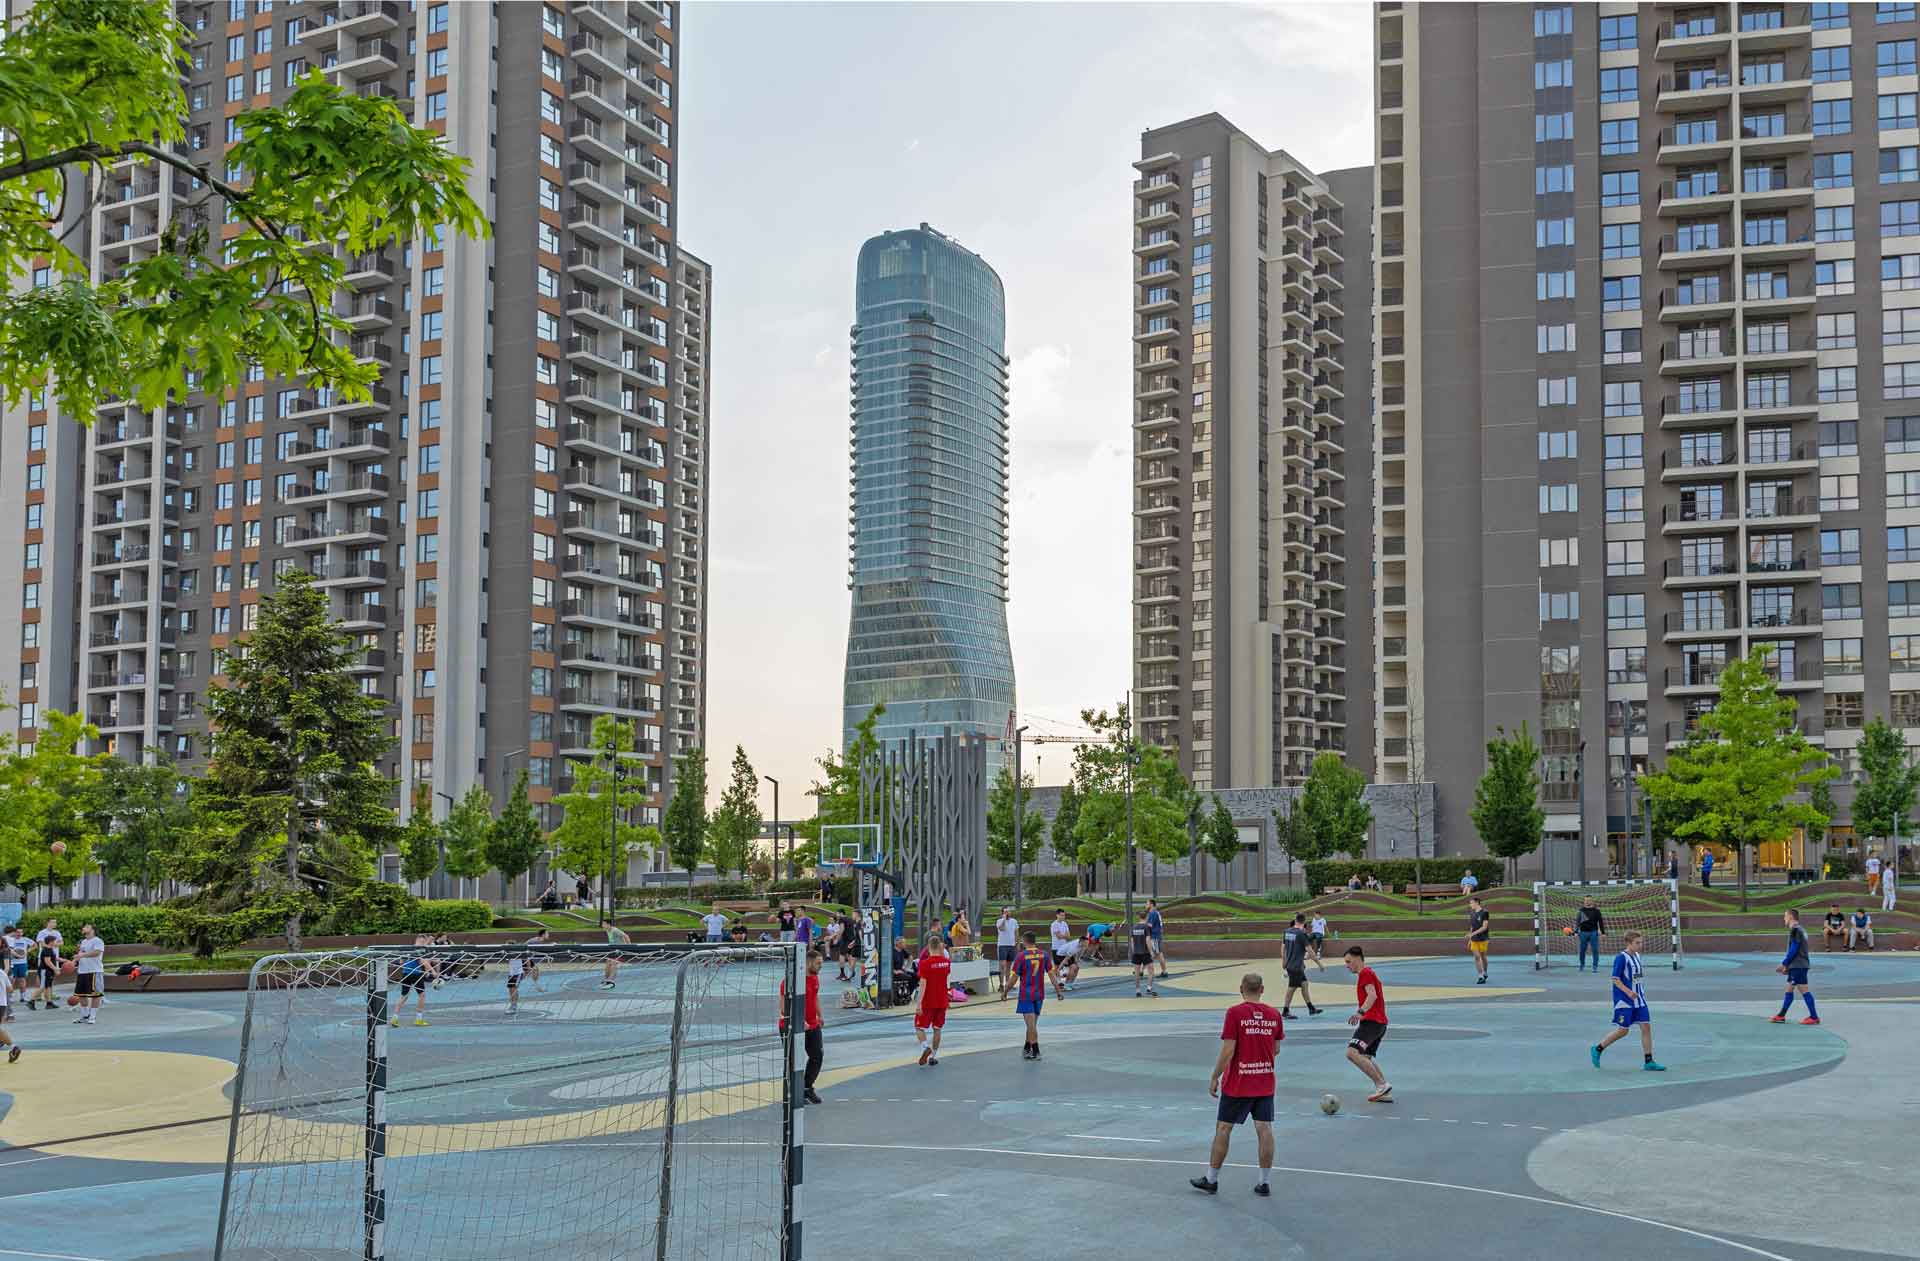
1794,968
1629,1005
1031,968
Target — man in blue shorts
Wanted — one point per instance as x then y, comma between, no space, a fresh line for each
1629,1005
1031,968
1794,968
1243,1082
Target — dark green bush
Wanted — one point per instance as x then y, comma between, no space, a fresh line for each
1059,885
1396,872
115,924
451,915
367,909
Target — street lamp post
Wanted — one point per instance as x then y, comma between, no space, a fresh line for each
1019,784
440,835
1132,755
775,869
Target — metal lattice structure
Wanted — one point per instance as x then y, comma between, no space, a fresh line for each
929,797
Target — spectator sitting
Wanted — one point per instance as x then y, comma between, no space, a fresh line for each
1373,882
1353,881
1836,927
1468,883
1860,927
740,931
904,976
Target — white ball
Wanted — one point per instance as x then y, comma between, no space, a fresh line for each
1329,1104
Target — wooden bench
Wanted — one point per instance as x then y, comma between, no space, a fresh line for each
1419,891
742,905
1335,888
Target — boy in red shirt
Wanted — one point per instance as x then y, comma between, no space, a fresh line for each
816,1038
1370,1023
930,1010
1248,1041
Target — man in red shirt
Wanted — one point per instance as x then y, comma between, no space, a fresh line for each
1244,1067
1370,1025
816,1039
930,1010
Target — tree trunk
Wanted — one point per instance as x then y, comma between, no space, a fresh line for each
293,876
1742,854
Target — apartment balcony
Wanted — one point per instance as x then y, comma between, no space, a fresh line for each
1718,623
1158,591
1697,518
370,270
609,612
591,93
1799,567
1157,242
1696,92
1693,572
351,19
1792,405
1693,253
1696,678
1789,185
1153,213
1689,199
1778,352
1697,39
363,59
1691,143
371,661
1794,84
1157,329
354,528
349,573
121,680
1693,465
357,486
600,15
1794,135
369,311
1697,413
1143,305
1393,648
1157,473
1696,357
363,615
135,554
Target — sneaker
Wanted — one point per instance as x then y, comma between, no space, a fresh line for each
1138,994
1594,1052
1780,1019
1653,1066
812,1096
394,1021
419,1021
932,1060
1286,1015
1481,981
1204,1184
926,1054
1811,1020
1152,992
1261,1188
1314,1011
1036,1053
33,1004
80,1020
13,1053
1381,1095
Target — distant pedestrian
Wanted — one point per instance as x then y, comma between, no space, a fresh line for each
1317,939
1706,869
1158,927
1140,942
1794,967
786,923
1243,1081
1873,873
414,978
715,923
1673,867
1006,942
1889,885
582,891
1293,947
1479,937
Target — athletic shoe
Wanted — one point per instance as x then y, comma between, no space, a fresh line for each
1314,1011
33,1004
1036,1053
1152,992
419,1021
1287,1015
1261,1188
1811,1020
812,1096
932,1060
80,1020
1204,1184
1781,1019
1594,1052
1138,994
926,1053
13,1053
1481,981
395,1022
1654,1067
1381,1095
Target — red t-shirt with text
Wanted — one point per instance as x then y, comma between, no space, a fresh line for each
933,971
1254,1029
1377,1011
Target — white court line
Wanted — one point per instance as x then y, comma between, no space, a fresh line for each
1112,1138
1328,1173
47,1256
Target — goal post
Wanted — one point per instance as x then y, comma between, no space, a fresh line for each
1650,906
642,1101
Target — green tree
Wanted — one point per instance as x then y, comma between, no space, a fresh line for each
1883,803
420,838
837,794
48,795
291,802
1506,809
1736,785
1292,836
597,830
1033,823
514,840
1066,817
1119,778
1219,838
145,817
467,828
86,84
736,821
1334,811
1820,797
685,823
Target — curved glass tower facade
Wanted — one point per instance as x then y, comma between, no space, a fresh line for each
928,559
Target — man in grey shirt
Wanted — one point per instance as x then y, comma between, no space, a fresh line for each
1294,944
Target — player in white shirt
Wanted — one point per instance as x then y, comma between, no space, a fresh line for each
6,1013
89,975
542,938
1066,951
516,968
716,924
1006,941
47,960
19,945
1317,940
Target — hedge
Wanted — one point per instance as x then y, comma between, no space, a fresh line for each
116,925
1035,887
652,894
1396,872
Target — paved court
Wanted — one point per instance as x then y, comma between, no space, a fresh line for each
1761,1141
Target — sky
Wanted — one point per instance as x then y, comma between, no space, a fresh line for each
806,129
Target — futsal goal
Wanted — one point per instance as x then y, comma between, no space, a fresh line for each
1651,906
657,1116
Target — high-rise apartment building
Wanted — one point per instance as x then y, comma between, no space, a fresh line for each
1639,267
1251,607
927,563
514,524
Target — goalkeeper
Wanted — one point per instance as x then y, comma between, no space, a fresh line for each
1589,924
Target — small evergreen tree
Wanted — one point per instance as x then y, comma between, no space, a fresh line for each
1506,809
420,839
1334,808
685,823
467,828
735,824
514,841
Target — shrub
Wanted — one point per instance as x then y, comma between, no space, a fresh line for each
1840,866
117,925
1396,872
207,933
451,915
1287,895
1035,887
654,894
370,908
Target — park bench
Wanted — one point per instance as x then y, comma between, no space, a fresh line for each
742,906
1334,888
1420,891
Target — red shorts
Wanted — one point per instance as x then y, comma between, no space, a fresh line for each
931,1017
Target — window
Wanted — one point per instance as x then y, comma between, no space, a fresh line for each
426,548
1556,126
1559,497
1560,444
1903,600
1556,231
1900,380
1621,345
1553,74
1764,230
1832,65
1559,553
1837,386
1620,293
436,63
1623,505
1833,332
1618,33
1557,391
1553,284
436,106
1618,188
1896,110
1559,606
1841,656
1626,612
1835,223
1899,12
1844,709
1620,136
1839,492
1833,277
436,18
1203,225
1839,437
1553,21
1903,490
1833,170
1626,558
1619,84
1842,547
1762,285
1553,179
1900,165
432,282
429,503
552,23
1623,450
1894,56
1834,118
1627,665
1903,435
1620,240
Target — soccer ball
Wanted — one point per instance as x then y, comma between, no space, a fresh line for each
1568,930
1329,1104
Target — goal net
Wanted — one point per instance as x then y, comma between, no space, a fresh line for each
636,1101
1651,906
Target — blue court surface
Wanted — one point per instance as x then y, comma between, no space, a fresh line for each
1760,1140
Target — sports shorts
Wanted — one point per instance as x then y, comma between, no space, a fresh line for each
1478,947
930,1017
1029,1006
1628,1017
1796,976
1366,1037
1318,939
1007,953
413,983
1142,960
513,981
19,968
1296,977
1237,1108
85,983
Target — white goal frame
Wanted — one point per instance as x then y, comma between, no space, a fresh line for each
1542,957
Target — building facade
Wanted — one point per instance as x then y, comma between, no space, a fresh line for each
927,563
514,525
1251,608
1640,268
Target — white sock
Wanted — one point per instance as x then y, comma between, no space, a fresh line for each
1264,1173
1213,1173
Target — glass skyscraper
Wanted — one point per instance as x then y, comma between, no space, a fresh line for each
928,558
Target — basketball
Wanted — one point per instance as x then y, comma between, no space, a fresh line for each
1329,1104
59,847
66,967
73,1000
1568,930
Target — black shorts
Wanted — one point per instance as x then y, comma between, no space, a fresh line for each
1007,953
1237,1108
1366,1037
414,983
1318,939
1142,960
513,982
85,983
1296,977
